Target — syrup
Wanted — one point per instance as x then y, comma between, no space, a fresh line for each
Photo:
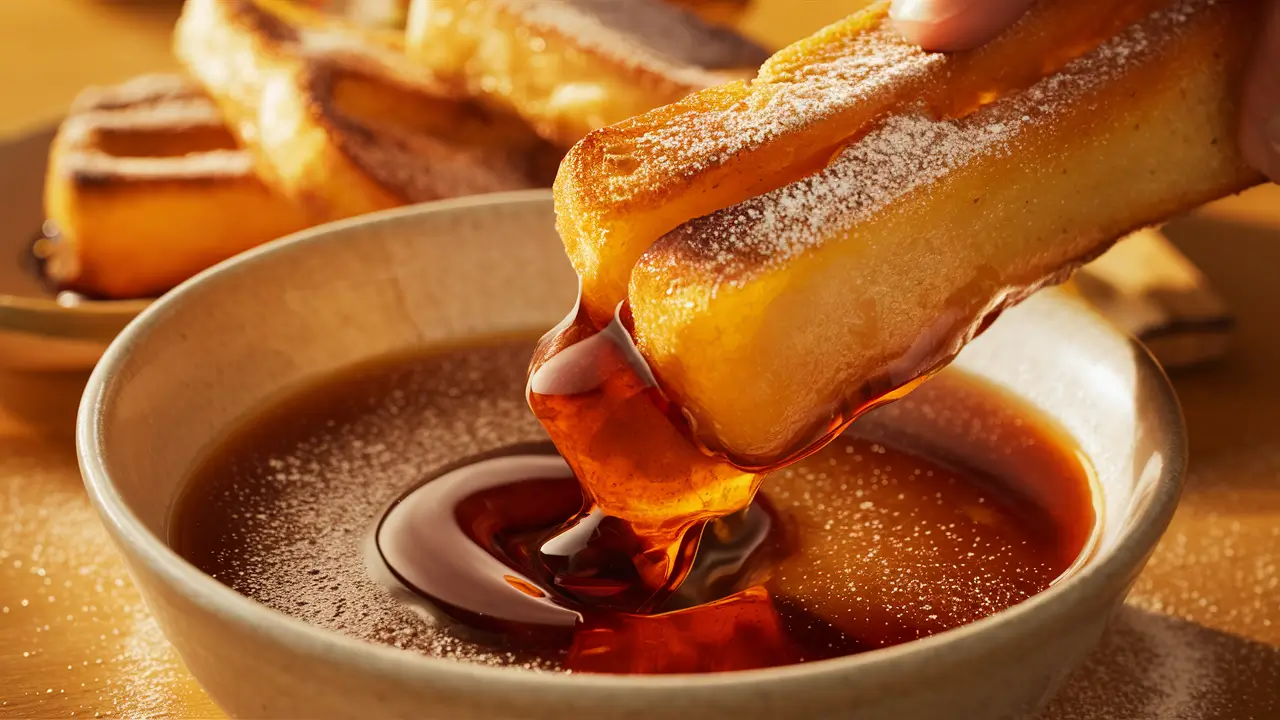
369,505
650,486
649,490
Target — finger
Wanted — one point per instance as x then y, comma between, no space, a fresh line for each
954,24
1260,116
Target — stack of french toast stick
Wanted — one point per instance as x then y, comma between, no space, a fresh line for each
293,113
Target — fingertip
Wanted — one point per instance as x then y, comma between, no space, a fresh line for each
927,35
950,25
1260,144
1260,114
928,23
912,11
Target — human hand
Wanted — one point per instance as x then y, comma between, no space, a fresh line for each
962,24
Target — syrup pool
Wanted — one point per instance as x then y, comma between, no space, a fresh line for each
357,505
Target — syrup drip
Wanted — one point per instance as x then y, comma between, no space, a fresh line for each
651,486
649,490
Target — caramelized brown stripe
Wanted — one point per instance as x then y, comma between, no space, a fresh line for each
142,90
647,27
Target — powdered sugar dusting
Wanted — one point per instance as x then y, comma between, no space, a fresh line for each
295,502
887,539
906,153
869,62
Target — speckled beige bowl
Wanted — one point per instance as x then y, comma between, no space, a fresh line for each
210,353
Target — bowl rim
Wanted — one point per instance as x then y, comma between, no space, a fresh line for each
1132,546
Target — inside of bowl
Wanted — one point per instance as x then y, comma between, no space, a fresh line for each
203,361
1106,392
294,313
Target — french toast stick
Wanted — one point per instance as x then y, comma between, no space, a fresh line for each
624,186
339,119
570,66
146,187
1149,289
768,318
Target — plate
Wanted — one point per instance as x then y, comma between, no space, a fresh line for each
40,330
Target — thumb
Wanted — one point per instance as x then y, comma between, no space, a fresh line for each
1260,128
954,24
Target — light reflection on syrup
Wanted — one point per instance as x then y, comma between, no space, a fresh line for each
468,542
423,541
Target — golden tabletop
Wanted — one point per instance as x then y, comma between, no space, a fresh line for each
1200,637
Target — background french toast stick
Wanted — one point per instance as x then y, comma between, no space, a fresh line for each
765,319
624,186
723,12
1149,289
337,117
147,187
570,66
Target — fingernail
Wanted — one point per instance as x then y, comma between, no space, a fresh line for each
912,10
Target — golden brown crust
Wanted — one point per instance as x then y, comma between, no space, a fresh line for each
336,116
133,163
641,37
764,318
626,185
570,66
453,148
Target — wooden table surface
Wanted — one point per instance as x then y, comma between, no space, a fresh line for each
1200,637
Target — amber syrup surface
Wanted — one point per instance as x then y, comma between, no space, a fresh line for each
941,509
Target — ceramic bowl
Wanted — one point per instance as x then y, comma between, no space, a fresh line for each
206,356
